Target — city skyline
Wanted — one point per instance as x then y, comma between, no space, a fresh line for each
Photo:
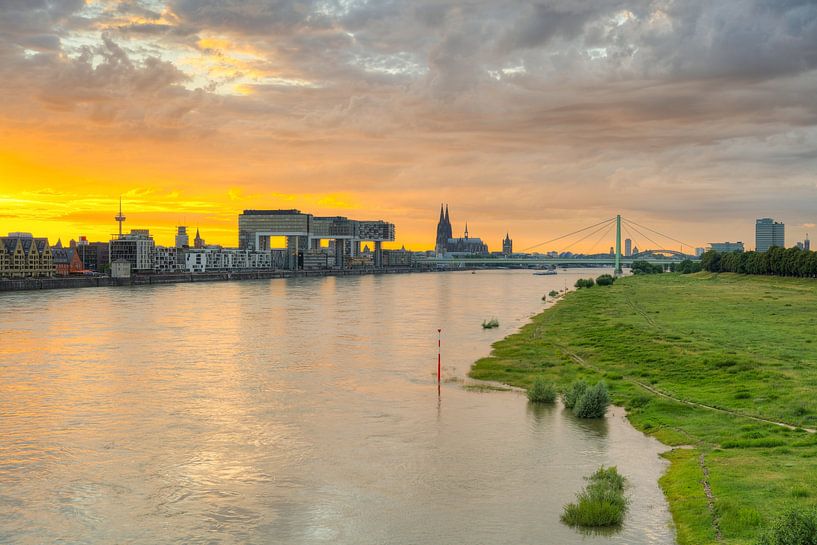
531,119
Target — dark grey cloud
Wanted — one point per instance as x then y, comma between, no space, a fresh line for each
564,101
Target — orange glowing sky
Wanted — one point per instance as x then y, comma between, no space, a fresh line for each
536,118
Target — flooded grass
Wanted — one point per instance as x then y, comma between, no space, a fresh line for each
601,504
741,344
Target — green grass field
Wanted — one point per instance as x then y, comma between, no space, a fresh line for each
738,349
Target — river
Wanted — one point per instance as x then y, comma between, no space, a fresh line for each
293,411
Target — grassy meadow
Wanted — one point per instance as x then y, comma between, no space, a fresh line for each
701,362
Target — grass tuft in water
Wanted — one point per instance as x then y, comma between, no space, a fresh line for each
602,503
541,391
490,324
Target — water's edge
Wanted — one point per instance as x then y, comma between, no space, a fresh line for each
613,411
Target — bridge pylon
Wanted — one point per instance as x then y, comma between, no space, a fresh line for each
618,271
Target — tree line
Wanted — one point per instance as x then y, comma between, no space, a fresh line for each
776,262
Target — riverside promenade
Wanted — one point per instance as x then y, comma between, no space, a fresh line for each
25,284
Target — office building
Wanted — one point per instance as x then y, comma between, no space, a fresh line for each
304,232
807,244
182,239
628,247
95,256
769,233
136,248
722,247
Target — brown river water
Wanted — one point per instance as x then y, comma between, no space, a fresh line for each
293,411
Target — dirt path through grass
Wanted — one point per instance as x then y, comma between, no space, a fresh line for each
581,361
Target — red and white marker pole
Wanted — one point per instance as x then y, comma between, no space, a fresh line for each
439,359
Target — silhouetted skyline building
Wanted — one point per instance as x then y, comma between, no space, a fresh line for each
447,245
507,245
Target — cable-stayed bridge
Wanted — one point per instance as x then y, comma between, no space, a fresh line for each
654,251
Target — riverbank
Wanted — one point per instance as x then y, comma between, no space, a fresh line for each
724,366
73,282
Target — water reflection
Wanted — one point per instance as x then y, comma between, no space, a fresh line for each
291,411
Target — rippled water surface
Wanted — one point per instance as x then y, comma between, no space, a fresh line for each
292,411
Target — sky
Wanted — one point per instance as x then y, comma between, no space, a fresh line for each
691,117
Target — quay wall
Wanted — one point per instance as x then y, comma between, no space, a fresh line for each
72,282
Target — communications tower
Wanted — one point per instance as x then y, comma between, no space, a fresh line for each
120,218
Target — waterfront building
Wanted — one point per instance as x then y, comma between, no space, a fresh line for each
398,258
136,248
636,251
807,244
218,259
182,239
628,247
95,256
166,260
304,232
23,255
507,246
723,247
66,260
699,252
120,268
769,233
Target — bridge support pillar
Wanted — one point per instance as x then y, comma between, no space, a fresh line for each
618,245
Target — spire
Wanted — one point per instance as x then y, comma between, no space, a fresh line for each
442,218
466,229
447,220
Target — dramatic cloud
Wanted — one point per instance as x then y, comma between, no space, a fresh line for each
539,117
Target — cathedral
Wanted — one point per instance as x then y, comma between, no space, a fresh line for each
447,245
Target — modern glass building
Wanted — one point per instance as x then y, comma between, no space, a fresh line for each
769,233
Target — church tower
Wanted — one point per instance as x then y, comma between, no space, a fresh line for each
444,232
507,245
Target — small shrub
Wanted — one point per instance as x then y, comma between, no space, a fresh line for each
605,280
601,503
490,324
593,403
553,293
541,391
795,527
572,395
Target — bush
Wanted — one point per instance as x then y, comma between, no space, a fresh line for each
795,527
605,280
686,266
572,395
601,503
541,391
553,293
584,283
593,403
645,267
